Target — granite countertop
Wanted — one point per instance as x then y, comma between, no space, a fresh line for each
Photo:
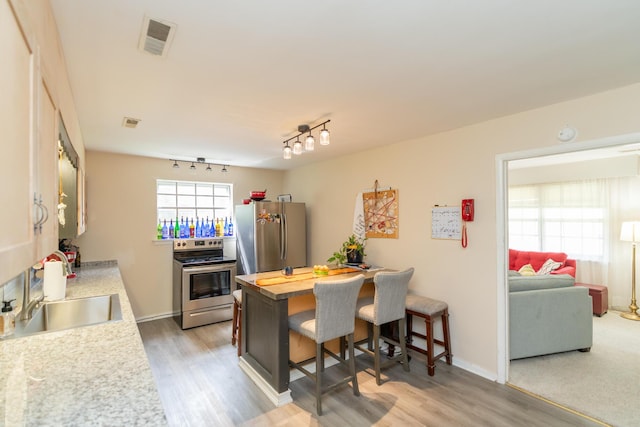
96,375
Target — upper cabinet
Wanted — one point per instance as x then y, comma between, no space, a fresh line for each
34,85
17,119
46,169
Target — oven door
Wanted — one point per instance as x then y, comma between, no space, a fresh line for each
205,286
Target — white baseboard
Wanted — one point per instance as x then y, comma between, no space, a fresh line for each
278,399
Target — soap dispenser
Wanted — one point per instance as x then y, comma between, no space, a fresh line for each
7,320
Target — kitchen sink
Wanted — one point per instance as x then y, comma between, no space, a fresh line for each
71,313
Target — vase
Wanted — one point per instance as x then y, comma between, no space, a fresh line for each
354,257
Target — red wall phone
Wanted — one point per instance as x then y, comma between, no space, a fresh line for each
467,209
467,215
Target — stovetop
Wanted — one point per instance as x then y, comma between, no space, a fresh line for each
187,259
200,251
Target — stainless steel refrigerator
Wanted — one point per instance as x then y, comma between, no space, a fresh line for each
270,236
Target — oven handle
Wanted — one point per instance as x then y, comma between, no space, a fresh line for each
207,268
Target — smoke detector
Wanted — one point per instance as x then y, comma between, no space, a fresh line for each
156,36
129,122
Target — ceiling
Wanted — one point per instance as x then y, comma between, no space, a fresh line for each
240,76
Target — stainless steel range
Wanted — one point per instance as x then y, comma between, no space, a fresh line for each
203,279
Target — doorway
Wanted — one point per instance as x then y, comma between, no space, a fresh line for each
580,149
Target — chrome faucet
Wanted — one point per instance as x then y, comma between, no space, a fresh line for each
27,304
65,261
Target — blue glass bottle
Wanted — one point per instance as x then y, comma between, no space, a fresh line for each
198,229
165,230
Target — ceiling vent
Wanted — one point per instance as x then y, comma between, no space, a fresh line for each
129,122
156,36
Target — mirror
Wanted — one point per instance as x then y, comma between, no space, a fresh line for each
67,186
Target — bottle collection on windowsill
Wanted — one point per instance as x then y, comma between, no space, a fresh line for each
186,230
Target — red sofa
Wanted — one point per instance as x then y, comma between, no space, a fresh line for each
519,258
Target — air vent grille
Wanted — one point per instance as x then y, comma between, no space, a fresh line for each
156,36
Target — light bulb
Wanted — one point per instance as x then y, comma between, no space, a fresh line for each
192,167
297,147
286,151
324,137
175,164
309,143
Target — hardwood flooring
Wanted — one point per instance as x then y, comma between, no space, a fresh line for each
201,384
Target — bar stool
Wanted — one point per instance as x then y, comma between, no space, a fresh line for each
333,317
387,305
236,322
429,309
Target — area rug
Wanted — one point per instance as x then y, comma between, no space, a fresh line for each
603,383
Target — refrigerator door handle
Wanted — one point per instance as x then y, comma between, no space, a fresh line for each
283,237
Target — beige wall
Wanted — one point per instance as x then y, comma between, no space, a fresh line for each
442,169
438,169
121,219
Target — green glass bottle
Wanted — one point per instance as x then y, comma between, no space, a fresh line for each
159,230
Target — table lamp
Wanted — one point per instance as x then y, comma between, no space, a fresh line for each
631,233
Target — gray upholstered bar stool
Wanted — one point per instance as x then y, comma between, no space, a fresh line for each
333,317
387,305
236,322
429,309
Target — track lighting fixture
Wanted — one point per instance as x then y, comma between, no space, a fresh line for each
309,142
200,160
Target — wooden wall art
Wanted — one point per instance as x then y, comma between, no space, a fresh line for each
381,213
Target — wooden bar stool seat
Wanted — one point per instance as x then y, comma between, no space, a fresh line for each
236,322
429,309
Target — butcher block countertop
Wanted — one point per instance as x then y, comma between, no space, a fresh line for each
277,286
95,375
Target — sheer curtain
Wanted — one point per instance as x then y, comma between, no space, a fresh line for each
583,219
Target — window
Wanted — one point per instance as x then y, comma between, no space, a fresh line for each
190,201
564,217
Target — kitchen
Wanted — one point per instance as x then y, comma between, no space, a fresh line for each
329,188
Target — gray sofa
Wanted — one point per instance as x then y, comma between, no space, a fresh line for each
548,314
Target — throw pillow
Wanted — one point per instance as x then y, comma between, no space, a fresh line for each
527,270
548,266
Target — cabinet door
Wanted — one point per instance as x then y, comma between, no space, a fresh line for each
47,170
17,240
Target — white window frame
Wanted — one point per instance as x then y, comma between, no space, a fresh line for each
207,200
579,231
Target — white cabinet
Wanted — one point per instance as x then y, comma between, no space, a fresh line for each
46,170
28,123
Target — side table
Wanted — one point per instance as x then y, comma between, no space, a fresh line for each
599,297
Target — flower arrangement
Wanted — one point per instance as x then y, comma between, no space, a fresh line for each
352,251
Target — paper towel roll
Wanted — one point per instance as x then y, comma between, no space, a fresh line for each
55,282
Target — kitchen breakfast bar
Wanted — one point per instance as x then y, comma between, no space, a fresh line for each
267,345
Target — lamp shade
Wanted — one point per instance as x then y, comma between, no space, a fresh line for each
630,232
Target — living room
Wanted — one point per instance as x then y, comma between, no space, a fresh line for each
576,203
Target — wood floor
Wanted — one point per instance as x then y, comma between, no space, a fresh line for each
200,384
